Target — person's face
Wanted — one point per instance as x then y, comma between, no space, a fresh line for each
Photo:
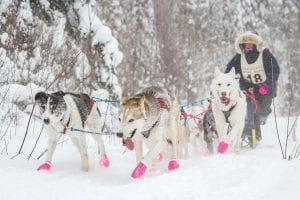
248,47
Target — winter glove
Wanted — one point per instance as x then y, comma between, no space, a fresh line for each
262,89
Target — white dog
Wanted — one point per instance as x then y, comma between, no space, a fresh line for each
60,111
151,117
229,110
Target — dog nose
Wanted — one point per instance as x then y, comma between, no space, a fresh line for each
223,94
120,134
46,120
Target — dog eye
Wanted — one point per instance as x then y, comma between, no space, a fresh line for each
119,118
131,120
228,84
219,84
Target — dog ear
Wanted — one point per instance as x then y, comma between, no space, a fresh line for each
217,71
124,99
41,96
232,72
59,93
142,105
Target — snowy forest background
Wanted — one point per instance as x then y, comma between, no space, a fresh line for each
108,47
123,45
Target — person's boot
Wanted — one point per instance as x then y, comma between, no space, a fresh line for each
263,117
258,133
246,136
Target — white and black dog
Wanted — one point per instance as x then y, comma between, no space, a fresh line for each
59,111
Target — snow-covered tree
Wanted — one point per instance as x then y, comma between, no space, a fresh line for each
58,44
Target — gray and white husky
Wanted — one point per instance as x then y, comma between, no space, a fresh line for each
151,117
59,112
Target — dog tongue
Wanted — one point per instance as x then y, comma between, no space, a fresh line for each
129,144
225,100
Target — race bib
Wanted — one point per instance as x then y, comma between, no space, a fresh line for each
255,72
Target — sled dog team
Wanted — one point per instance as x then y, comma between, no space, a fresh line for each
151,117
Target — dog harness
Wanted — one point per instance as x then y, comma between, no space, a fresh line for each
66,125
227,114
89,101
147,133
161,103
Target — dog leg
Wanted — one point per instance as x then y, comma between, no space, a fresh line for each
173,164
147,161
52,142
84,153
138,150
182,146
237,144
80,143
193,141
103,161
94,125
221,125
235,135
176,146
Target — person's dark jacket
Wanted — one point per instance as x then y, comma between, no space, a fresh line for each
271,68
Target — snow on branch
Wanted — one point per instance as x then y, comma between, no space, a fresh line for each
89,23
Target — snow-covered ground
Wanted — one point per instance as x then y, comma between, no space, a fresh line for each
253,174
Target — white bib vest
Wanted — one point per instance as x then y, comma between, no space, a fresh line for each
255,72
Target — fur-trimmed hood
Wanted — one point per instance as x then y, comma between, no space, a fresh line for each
249,37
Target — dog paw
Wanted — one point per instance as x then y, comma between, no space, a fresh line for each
173,164
104,162
45,166
139,170
222,147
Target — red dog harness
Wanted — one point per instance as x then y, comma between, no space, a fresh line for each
162,104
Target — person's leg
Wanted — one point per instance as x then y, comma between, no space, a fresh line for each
264,108
257,127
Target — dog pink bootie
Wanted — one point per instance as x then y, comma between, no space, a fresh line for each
104,162
222,147
139,170
45,166
173,164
